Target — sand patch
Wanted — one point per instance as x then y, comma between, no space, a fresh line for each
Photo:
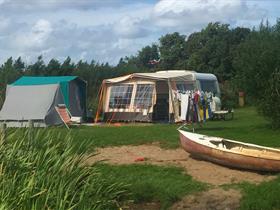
200,170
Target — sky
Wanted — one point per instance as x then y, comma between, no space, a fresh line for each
106,30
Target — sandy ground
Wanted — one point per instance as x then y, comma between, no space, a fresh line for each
200,170
215,198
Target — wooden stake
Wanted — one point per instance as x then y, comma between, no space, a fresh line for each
3,133
30,130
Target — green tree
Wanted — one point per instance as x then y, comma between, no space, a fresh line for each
53,67
8,74
19,65
38,68
257,64
67,67
171,48
148,54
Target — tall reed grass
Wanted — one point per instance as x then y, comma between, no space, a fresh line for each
40,170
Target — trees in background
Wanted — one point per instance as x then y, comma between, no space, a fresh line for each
243,60
257,65
172,53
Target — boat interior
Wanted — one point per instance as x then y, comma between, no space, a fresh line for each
247,149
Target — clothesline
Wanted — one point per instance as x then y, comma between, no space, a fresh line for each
195,106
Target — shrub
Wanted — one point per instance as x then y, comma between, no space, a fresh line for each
229,96
43,171
269,103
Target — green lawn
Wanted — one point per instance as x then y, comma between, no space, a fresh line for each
152,183
262,197
246,126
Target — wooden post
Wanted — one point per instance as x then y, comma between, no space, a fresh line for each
3,133
30,130
241,99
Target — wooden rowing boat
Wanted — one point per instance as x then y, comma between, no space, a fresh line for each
231,153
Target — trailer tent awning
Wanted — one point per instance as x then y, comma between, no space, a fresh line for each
149,96
160,75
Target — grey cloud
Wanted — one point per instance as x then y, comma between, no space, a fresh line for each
187,16
29,5
131,28
108,30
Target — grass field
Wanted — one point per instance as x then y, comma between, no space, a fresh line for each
166,184
246,126
147,183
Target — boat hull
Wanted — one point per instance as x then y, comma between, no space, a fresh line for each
229,159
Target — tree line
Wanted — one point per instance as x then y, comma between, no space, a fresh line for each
243,59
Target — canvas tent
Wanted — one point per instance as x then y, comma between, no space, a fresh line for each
35,98
149,97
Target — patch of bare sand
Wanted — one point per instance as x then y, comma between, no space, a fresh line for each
200,170
214,199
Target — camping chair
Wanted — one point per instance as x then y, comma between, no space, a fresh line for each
222,114
66,116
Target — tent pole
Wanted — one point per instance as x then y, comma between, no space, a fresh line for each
100,101
172,102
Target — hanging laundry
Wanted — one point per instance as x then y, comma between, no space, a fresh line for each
184,105
209,101
196,106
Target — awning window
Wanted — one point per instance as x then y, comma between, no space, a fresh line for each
143,96
120,96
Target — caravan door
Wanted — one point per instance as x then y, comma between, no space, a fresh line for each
161,108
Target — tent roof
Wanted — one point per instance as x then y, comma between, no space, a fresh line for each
160,75
28,102
25,80
166,74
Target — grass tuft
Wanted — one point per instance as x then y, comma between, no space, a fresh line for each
264,196
41,170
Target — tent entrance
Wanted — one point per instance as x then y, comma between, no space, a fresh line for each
161,108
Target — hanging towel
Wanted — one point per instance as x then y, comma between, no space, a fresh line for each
184,105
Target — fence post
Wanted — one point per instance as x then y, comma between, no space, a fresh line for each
3,133
30,130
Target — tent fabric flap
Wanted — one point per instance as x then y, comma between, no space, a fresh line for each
52,117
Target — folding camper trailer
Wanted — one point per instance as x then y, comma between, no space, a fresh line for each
148,97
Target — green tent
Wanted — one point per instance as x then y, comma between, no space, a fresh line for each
72,87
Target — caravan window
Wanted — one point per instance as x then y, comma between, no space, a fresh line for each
184,86
120,96
144,95
209,86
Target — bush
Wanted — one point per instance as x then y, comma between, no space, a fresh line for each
257,70
269,104
229,96
43,171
